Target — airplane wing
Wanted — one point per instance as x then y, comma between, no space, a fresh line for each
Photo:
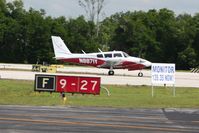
110,62
135,67
131,65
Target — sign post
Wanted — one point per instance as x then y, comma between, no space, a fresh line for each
163,73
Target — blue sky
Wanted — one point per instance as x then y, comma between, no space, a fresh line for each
70,8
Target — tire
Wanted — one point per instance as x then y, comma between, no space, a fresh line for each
140,74
110,72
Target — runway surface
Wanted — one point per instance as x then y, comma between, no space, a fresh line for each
26,119
121,77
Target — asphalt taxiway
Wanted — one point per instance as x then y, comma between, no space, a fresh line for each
27,119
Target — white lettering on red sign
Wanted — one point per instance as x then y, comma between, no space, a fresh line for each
63,83
74,84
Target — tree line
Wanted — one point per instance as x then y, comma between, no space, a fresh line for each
156,35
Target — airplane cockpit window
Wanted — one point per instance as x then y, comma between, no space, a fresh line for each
125,54
108,55
99,55
117,55
142,61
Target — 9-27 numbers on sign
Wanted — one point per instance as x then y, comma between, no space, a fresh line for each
83,84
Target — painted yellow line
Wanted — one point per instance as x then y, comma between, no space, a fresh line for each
116,118
24,115
92,117
98,124
195,122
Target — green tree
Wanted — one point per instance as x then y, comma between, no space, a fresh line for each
196,37
157,35
80,35
38,38
187,58
11,47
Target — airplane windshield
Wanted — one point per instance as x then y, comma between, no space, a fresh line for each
117,55
142,61
125,54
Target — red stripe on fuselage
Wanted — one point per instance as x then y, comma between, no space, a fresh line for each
136,67
131,65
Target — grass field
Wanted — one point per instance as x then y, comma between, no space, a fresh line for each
17,92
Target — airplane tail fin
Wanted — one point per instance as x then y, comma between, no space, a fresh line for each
59,46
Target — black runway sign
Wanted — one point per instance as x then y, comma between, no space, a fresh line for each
45,83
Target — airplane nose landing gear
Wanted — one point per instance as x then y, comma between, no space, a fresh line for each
140,74
110,72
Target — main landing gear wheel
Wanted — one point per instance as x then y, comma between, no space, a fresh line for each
140,74
111,72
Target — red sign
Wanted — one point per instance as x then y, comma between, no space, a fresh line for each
89,85
67,84
74,84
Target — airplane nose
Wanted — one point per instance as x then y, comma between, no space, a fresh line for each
147,63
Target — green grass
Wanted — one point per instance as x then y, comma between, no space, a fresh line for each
17,92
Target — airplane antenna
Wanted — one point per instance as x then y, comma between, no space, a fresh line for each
100,50
83,52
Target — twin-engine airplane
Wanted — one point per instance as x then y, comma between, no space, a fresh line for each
109,60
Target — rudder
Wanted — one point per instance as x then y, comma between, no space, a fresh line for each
59,46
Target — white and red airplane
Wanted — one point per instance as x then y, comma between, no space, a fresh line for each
109,60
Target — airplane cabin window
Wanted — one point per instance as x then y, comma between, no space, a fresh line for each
125,54
108,55
99,55
117,55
